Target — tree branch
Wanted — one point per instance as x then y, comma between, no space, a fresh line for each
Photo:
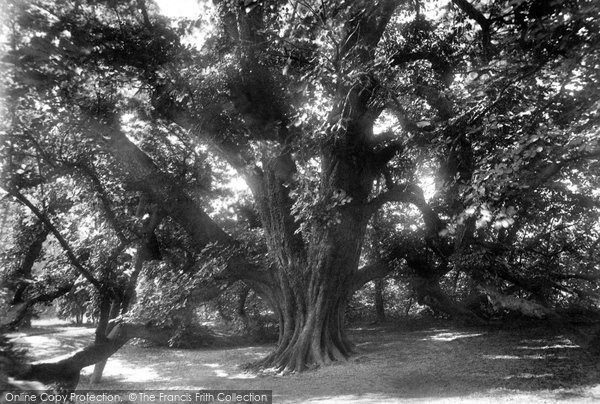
369,272
409,193
64,244
475,14
364,30
17,312
554,168
104,199
139,172
585,277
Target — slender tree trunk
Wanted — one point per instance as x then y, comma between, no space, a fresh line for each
408,307
379,300
241,307
115,308
98,370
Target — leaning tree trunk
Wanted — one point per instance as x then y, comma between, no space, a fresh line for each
64,374
115,307
18,312
429,293
22,284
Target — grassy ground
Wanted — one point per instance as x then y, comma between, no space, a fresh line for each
393,364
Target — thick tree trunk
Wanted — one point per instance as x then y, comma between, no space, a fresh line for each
426,284
311,332
429,293
311,297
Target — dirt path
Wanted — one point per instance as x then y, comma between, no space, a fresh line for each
441,365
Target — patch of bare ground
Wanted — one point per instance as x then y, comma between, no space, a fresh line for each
441,364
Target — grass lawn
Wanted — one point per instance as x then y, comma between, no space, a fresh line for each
440,364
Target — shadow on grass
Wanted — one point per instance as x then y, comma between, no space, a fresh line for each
391,363
445,362
43,343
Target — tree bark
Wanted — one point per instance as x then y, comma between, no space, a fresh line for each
115,308
379,301
241,307
594,345
20,279
19,311
429,293
315,276
311,279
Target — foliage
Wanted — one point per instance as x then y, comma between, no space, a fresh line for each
457,150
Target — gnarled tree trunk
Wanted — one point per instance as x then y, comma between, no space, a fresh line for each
426,284
311,306
430,294
315,273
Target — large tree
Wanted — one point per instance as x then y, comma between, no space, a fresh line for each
288,94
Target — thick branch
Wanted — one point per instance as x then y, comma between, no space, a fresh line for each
18,311
142,7
139,171
23,271
364,30
526,307
63,243
428,292
369,272
554,168
412,194
413,56
585,277
475,14
105,201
